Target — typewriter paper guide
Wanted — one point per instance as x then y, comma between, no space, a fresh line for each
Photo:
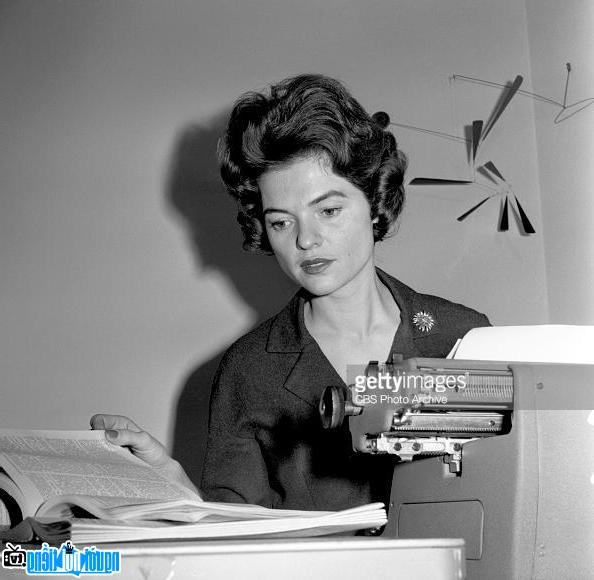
541,343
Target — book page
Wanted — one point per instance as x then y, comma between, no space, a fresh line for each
13,502
203,511
362,517
45,464
4,516
290,524
299,524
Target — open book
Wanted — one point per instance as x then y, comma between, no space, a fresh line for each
58,485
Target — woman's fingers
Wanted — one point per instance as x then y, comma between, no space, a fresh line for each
102,421
122,431
140,443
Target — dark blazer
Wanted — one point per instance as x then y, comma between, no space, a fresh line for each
266,445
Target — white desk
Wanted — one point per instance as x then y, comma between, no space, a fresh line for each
346,558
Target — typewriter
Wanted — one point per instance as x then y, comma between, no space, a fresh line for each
498,453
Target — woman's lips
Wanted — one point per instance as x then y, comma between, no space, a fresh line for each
315,266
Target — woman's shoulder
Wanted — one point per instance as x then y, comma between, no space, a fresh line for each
437,323
453,315
430,315
279,333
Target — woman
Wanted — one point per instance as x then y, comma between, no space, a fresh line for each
318,183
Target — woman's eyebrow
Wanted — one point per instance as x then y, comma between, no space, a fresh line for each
319,199
275,210
331,193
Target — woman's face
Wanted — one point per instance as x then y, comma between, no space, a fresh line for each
318,224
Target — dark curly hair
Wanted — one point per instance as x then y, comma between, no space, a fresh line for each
302,116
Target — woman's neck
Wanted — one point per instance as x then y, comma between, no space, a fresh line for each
356,311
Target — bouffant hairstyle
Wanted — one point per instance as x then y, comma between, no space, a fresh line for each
302,116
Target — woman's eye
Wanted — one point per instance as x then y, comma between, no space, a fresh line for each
331,211
279,225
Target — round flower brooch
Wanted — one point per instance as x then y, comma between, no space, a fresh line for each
423,321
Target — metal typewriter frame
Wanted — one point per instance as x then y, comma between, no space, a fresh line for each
481,409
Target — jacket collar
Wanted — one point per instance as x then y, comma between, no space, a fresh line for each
418,319
417,311
311,371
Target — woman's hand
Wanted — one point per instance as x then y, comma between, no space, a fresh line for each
122,431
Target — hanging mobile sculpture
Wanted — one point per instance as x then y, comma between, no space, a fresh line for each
566,111
478,134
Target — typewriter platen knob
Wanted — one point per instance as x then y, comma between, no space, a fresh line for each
332,407
335,404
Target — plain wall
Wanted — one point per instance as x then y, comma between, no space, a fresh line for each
561,33
122,276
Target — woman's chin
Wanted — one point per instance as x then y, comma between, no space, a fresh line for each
319,285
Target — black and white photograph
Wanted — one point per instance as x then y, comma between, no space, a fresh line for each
297,289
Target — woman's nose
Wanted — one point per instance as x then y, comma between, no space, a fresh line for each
308,236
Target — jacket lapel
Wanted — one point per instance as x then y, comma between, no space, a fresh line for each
311,374
418,318
311,371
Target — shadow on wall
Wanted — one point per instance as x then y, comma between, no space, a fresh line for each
195,192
